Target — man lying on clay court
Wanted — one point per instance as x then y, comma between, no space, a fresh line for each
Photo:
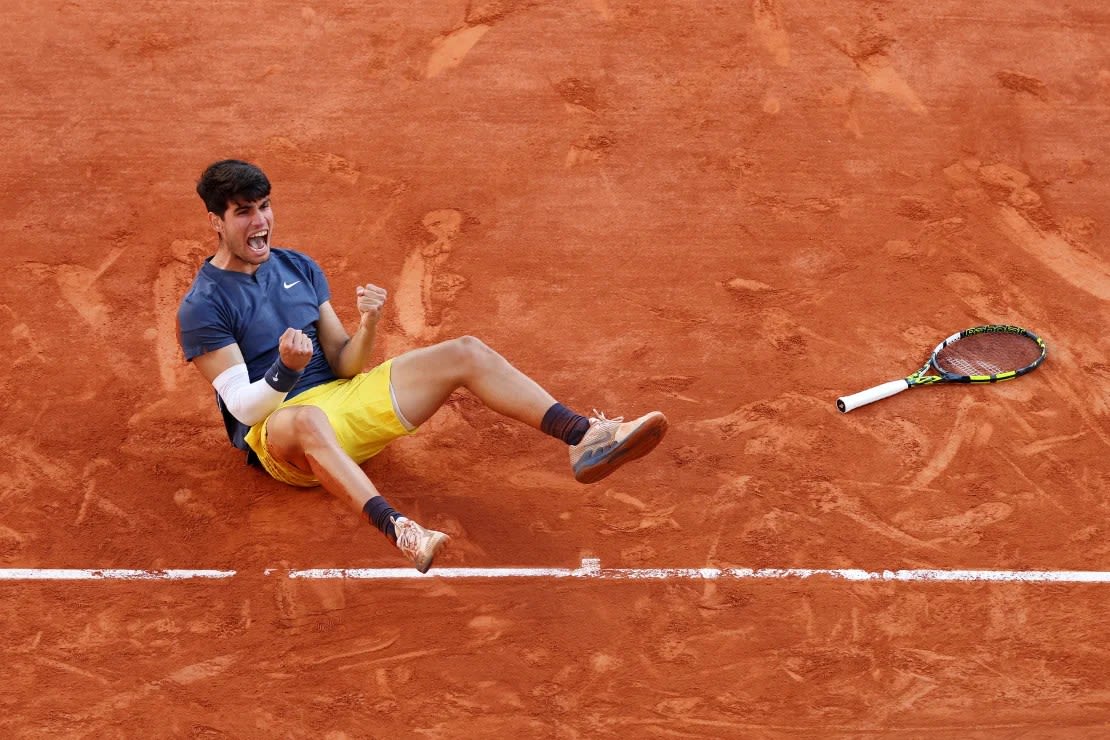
259,325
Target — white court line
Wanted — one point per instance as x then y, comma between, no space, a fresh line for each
591,569
107,574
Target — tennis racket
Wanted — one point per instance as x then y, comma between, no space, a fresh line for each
983,354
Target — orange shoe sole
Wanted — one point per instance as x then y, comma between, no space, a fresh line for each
642,440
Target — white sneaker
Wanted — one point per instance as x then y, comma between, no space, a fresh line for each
421,545
610,443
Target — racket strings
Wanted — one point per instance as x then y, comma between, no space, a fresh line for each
988,354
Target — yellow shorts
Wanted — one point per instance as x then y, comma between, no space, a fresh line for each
362,411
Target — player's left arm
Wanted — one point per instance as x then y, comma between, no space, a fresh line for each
348,355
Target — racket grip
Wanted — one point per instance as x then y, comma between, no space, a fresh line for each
879,392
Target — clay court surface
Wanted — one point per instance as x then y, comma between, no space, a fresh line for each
731,212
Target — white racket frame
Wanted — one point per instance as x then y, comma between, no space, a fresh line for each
888,389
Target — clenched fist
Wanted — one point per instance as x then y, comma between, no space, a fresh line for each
371,298
295,349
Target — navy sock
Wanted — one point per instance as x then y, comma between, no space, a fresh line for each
381,515
562,423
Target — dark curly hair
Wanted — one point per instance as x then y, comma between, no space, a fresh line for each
228,180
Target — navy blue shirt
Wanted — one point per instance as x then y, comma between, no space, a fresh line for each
225,307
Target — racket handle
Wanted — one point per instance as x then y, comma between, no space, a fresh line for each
879,392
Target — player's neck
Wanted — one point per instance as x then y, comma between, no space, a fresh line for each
225,260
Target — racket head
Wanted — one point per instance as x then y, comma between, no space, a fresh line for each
988,354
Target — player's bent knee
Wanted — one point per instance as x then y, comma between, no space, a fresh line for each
471,351
312,428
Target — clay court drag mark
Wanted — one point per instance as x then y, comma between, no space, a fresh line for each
24,338
424,289
833,501
176,396
451,49
77,285
91,497
1019,214
172,282
1084,271
964,529
869,53
328,163
26,470
189,674
770,31
761,425
962,431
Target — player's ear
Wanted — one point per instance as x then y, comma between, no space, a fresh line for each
216,222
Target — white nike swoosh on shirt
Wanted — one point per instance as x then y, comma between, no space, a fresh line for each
290,285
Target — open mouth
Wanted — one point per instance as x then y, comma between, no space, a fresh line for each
259,240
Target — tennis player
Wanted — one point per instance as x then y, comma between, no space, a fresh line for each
258,324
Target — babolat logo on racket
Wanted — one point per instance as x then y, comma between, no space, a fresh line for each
993,328
982,354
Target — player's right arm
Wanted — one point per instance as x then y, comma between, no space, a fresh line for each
250,402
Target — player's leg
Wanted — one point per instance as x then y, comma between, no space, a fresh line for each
423,380
302,436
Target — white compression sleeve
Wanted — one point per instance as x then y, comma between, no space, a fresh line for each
248,402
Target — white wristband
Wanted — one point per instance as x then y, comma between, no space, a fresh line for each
248,402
